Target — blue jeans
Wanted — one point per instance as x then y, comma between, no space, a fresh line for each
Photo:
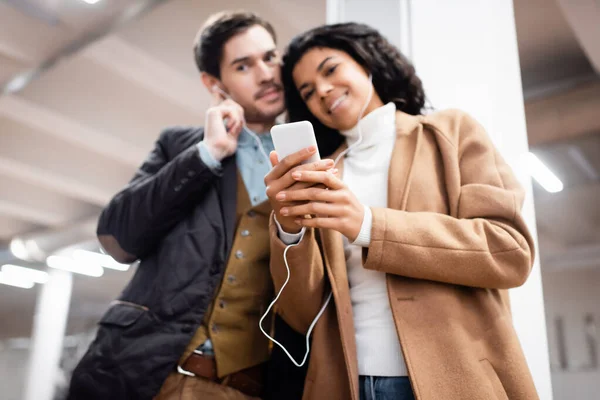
385,388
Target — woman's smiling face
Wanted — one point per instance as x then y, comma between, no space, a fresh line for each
334,87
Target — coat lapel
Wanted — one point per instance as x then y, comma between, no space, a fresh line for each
335,264
408,138
228,193
408,130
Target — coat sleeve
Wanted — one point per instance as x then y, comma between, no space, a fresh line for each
160,195
487,245
302,298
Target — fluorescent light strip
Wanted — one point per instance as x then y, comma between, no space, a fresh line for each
542,174
15,281
68,264
31,274
91,2
102,260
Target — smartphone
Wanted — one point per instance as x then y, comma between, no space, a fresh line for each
293,137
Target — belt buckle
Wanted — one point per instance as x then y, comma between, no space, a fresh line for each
186,372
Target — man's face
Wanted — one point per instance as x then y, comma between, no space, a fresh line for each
250,72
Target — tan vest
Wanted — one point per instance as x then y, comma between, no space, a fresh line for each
231,321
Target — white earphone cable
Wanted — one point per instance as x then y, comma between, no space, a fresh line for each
312,325
358,127
287,267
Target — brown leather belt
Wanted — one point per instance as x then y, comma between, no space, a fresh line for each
248,381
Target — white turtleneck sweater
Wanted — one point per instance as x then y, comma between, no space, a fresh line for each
366,175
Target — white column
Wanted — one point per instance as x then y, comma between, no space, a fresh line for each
465,52
49,325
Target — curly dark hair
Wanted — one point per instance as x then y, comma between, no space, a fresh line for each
216,32
394,77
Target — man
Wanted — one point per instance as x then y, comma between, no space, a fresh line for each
196,216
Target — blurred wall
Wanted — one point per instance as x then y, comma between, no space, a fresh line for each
571,295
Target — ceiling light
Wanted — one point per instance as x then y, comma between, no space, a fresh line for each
542,174
91,1
91,257
68,264
18,249
15,281
31,274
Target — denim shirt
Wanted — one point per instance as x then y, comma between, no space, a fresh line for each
251,163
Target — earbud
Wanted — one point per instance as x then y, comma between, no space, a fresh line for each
216,88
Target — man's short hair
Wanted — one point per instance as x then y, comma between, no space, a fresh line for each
216,31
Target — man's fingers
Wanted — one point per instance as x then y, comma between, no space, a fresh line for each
236,129
216,96
233,119
235,108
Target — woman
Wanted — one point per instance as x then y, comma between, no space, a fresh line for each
417,234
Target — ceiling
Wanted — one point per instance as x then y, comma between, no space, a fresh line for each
87,89
76,132
548,48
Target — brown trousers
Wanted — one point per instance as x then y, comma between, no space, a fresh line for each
182,387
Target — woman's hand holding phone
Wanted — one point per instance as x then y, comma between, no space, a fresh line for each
326,198
281,179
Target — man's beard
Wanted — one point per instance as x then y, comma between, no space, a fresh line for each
257,116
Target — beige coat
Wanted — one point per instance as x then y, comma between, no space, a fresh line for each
451,241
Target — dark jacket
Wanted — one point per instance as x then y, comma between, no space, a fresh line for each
178,218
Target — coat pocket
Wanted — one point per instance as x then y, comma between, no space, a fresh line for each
123,314
494,379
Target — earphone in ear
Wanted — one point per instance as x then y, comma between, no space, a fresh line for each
216,88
